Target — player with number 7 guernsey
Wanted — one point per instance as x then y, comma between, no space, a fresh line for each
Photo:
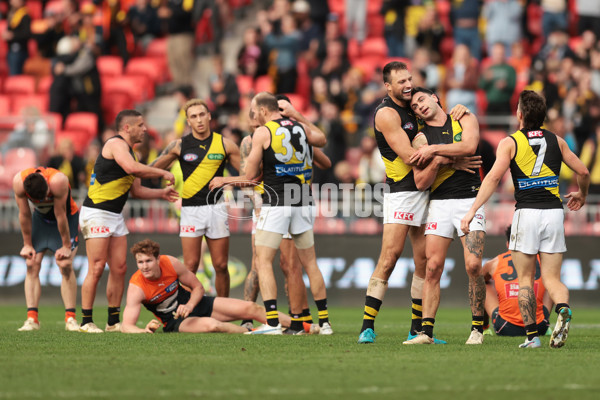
534,156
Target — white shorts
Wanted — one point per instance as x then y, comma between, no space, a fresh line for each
444,217
210,221
254,219
534,230
284,219
408,208
96,223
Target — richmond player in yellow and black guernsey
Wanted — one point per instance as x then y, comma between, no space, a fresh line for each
452,193
202,156
404,206
116,173
284,147
534,156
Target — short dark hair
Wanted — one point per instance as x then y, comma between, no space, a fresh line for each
267,100
507,233
123,115
146,246
35,186
533,108
420,89
392,66
283,97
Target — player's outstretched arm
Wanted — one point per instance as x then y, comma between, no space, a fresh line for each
119,150
576,199
504,154
320,159
167,157
135,296
141,192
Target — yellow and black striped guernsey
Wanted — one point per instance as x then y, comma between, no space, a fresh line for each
109,184
287,165
201,160
400,177
535,169
450,183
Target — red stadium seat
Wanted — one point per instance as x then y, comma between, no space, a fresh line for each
110,65
122,84
244,83
375,25
157,48
54,121
4,105
22,101
18,159
146,66
367,65
34,8
297,101
80,139
353,50
43,86
337,6
83,121
264,83
19,84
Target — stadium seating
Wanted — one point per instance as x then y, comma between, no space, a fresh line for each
43,85
4,105
157,48
22,101
264,83
19,84
110,65
146,66
18,159
297,101
80,138
244,83
374,47
83,121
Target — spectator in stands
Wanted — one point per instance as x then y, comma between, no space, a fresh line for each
286,44
584,48
430,30
88,31
144,23
270,22
61,92
589,16
113,29
335,148
542,84
421,61
554,16
356,20
590,156
180,39
17,35
555,49
333,32
461,78
334,65
224,93
182,95
371,169
216,9
253,57
319,12
465,19
49,37
498,81
595,70
310,33
520,60
394,13
66,161
32,133
503,23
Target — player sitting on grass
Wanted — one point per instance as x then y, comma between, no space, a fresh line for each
161,285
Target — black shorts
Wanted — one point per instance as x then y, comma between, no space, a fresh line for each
505,328
202,309
45,234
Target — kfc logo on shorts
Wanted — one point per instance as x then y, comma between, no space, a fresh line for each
188,229
534,134
96,230
405,216
431,226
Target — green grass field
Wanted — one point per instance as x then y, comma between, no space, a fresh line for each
52,363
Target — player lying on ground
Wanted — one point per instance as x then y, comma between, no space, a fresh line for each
161,283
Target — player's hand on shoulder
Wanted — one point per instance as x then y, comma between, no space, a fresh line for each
27,252
458,111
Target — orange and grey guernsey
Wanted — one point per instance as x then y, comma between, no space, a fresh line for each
201,161
535,169
450,183
161,296
46,206
507,286
399,176
109,184
287,165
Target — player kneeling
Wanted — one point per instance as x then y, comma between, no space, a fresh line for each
161,285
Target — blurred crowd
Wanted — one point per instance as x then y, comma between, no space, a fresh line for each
327,56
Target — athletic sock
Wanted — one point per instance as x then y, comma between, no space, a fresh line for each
245,321
531,331
428,324
86,316
32,312
417,316
323,313
69,313
296,324
372,306
272,315
306,317
477,323
560,306
113,315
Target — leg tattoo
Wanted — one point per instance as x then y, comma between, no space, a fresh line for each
527,304
474,243
251,286
477,295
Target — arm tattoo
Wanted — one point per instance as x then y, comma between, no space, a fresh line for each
477,295
251,286
474,242
527,304
166,151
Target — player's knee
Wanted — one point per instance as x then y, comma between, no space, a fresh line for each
220,267
434,271
388,260
119,269
65,269
473,268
